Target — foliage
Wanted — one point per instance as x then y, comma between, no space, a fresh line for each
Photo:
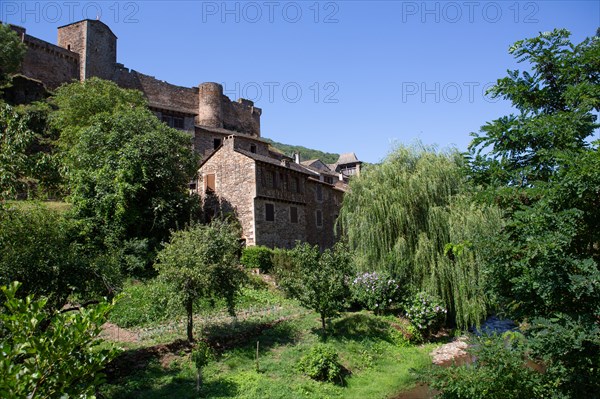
305,153
127,171
498,373
318,280
425,312
27,166
143,304
556,100
401,215
12,51
375,291
201,262
42,248
541,167
50,357
257,257
321,363
569,349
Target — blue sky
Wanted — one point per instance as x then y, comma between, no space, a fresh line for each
339,76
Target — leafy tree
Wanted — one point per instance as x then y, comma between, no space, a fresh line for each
202,262
543,266
318,280
12,51
26,161
413,216
42,248
127,171
555,100
50,357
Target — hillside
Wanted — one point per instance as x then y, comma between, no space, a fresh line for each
305,153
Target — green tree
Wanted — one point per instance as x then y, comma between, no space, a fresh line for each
127,172
50,357
318,280
27,165
413,216
202,262
12,51
43,248
540,165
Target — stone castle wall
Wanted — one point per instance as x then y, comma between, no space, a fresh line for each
89,48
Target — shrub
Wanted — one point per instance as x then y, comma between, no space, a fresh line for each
375,291
321,363
50,356
257,257
499,373
425,312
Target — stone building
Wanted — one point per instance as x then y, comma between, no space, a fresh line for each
277,199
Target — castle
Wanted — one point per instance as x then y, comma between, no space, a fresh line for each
278,199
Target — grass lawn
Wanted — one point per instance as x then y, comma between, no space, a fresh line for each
377,357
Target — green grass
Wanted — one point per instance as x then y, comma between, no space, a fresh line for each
57,206
377,358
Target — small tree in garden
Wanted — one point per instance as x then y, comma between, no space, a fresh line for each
318,280
201,356
202,262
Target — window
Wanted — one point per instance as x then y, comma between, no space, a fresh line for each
294,185
319,193
253,148
293,214
269,212
319,215
216,143
209,183
173,121
274,179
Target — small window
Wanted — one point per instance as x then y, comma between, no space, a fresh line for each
293,214
269,212
253,148
319,193
209,183
319,218
274,179
216,143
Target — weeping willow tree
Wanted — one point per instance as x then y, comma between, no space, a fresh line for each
413,217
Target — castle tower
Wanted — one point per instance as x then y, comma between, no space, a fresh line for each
210,104
96,45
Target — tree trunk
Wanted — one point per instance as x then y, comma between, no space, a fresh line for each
198,380
323,325
190,320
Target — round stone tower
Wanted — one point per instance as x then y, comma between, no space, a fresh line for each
210,104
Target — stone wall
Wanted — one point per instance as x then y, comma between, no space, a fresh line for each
281,232
47,63
323,236
235,178
160,94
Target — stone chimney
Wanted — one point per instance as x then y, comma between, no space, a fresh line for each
297,157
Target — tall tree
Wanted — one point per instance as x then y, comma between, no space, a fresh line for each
202,262
126,171
413,217
540,165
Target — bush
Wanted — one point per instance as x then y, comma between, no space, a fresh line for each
426,313
321,363
145,303
500,373
375,291
50,356
257,257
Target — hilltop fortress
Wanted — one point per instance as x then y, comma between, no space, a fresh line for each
277,198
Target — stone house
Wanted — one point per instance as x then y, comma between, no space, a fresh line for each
277,199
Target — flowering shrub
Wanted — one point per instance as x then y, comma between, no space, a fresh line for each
375,291
425,312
